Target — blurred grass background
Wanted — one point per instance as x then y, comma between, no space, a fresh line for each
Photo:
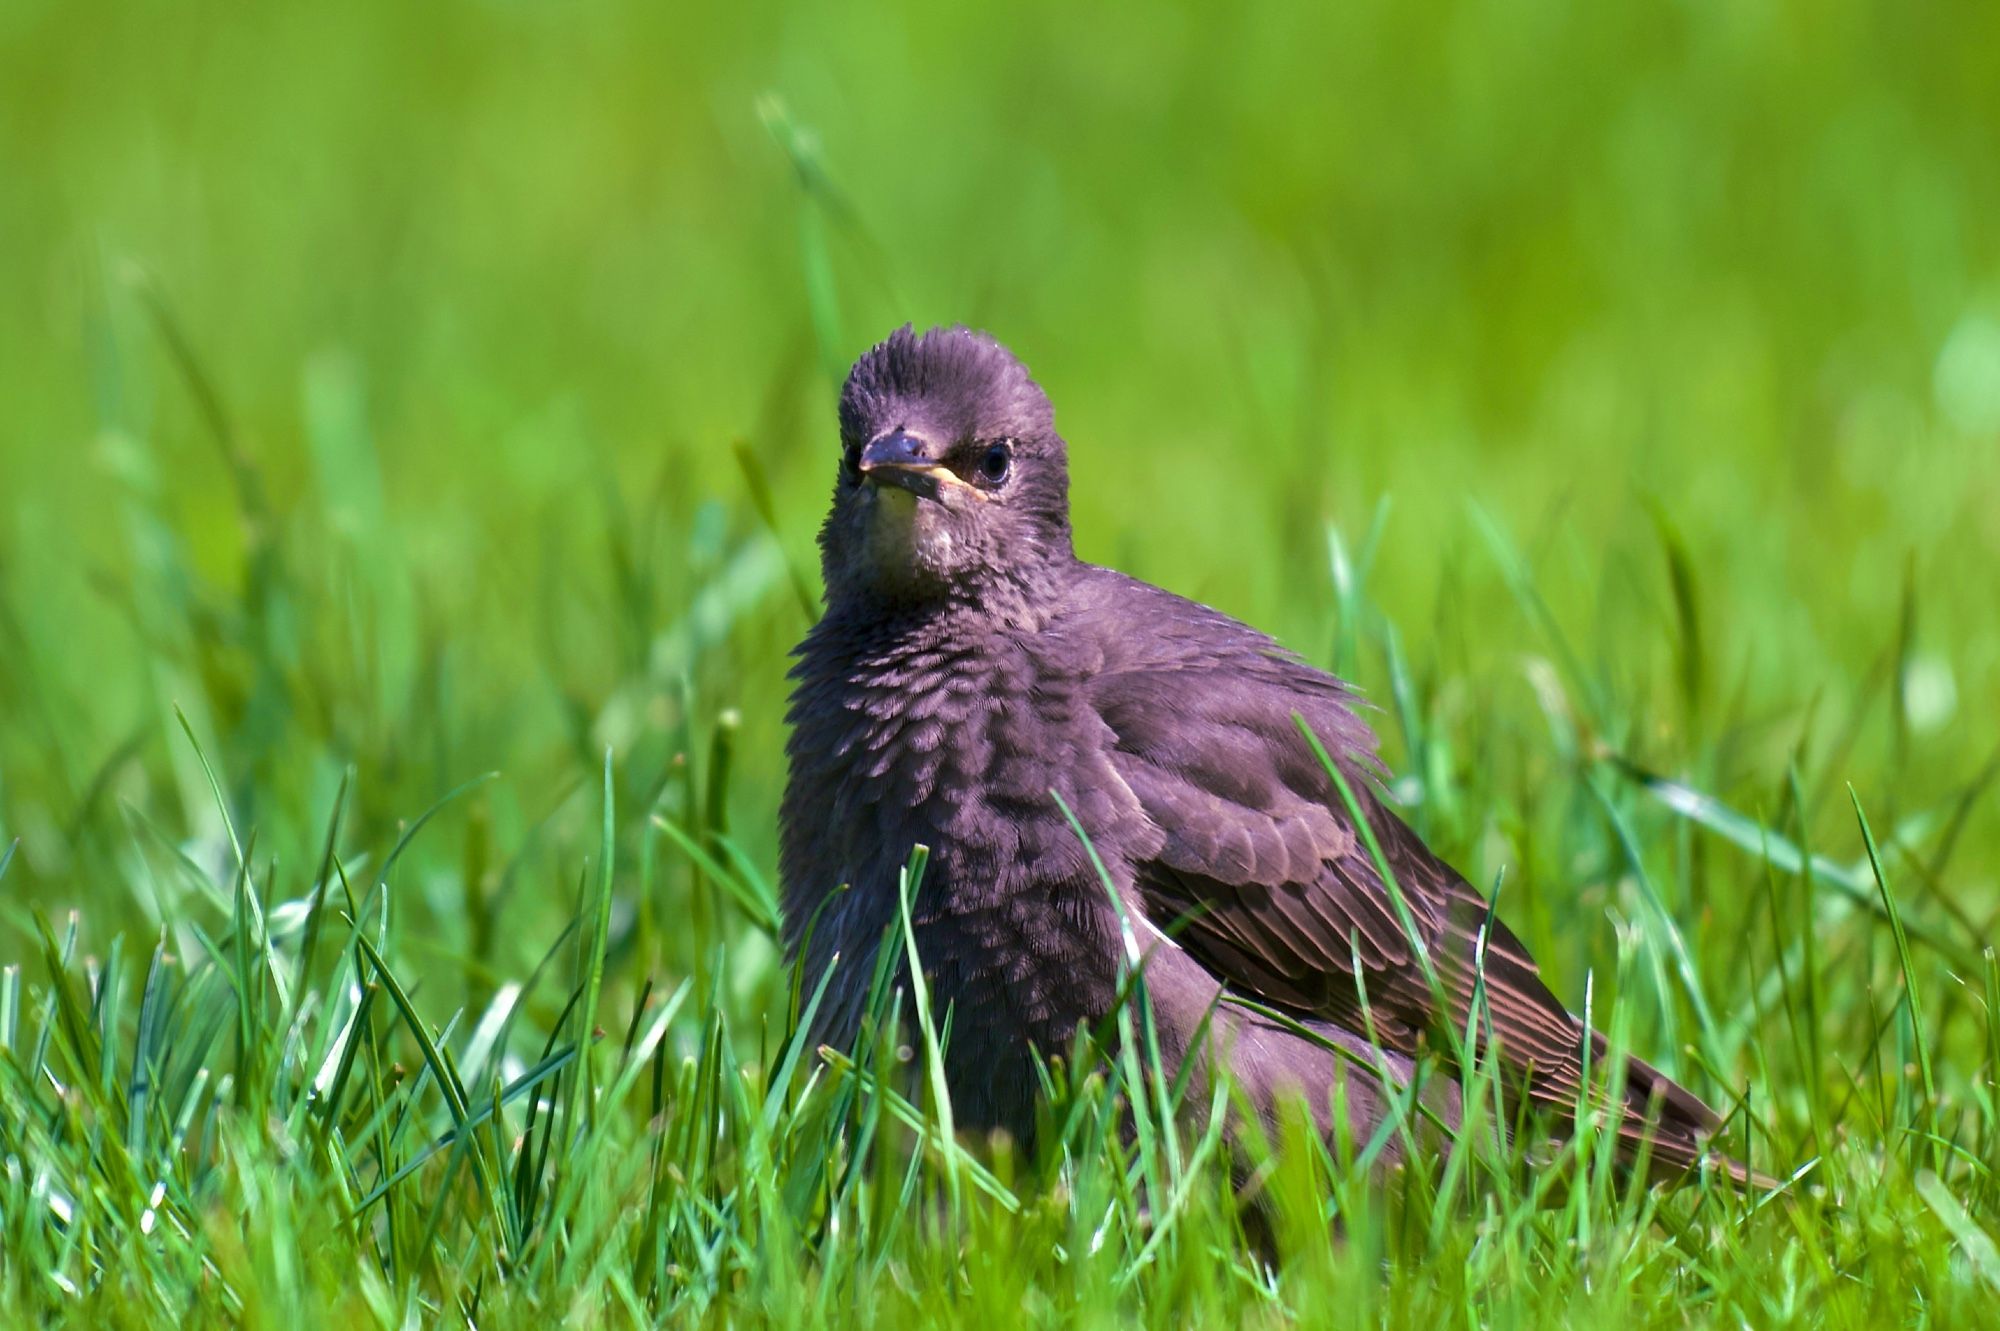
373,377
396,394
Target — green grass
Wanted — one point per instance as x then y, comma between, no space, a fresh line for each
413,423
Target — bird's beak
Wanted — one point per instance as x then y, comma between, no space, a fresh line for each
903,460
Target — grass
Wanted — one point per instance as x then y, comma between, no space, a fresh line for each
416,423
249,1126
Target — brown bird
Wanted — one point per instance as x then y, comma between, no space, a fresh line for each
970,670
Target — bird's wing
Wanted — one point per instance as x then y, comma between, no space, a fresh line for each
1255,865
1262,874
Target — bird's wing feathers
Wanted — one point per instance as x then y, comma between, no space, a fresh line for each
1261,873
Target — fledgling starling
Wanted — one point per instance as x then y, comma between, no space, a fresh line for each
969,665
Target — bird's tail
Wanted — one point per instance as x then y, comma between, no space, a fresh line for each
1669,1125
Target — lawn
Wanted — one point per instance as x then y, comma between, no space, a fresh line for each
414,422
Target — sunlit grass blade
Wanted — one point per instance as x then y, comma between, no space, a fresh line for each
909,880
1419,946
514,1090
1752,836
759,485
592,941
751,894
1665,927
1912,1004
441,1072
1974,1242
1993,1027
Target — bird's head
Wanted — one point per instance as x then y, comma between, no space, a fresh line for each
953,482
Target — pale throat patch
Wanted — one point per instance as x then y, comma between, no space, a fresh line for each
893,504
898,533
892,521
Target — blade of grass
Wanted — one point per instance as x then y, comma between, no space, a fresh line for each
514,1090
1676,943
316,912
1405,918
1974,1242
759,485
441,1072
139,1086
1754,837
753,896
1993,1026
598,912
908,880
1912,1004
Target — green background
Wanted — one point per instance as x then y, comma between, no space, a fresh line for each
488,293
411,392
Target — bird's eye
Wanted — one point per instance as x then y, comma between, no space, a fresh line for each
850,462
996,463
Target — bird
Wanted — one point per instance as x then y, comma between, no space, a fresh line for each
1109,777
